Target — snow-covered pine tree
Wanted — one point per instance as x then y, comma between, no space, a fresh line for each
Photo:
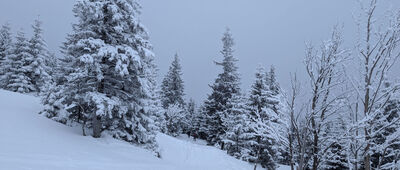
258,139
18,79
334,157
200,124
53,98
276,102
51,65
109,85
259,91
172,85
190,117
274,91
255,136
172,93
386,133
236,121
38,70
6,47
175,116
153,101
224,88
266,139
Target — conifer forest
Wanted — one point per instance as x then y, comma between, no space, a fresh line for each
99,99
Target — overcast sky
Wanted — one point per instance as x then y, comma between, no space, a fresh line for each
268,32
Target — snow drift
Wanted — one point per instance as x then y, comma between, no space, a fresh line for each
30,141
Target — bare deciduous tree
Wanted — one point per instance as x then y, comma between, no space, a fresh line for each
324,74
377,52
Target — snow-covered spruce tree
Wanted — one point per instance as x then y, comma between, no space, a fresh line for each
259,91
237,125
18,79
223,89
52,97
386,134
254,135
267,109
277,102
153,102
272,82
51,65
200,124
335,155
6,47
174,116
172,85
258,139
172,93
38,70
109,86
274,91
190,118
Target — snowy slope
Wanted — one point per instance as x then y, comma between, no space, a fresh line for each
30,141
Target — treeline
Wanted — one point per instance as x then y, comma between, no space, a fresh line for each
105,81
26,64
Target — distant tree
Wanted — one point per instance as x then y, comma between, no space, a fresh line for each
153,102
175,116
51,65
260,91
272,82
335,155
190,118
17,75
200,124
172,85
6,48
172,94
38,70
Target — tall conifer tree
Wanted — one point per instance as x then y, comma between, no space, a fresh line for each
224,88
109,83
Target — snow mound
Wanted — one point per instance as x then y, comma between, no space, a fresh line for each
30,141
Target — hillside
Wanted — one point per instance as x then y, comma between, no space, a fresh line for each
30,141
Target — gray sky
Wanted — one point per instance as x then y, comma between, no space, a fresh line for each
266,32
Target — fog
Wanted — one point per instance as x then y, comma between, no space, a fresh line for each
266,32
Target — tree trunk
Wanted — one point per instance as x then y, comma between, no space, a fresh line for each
315,151
291,152
367,160
83,128
97,127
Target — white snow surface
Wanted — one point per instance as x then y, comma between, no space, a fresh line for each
31,141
